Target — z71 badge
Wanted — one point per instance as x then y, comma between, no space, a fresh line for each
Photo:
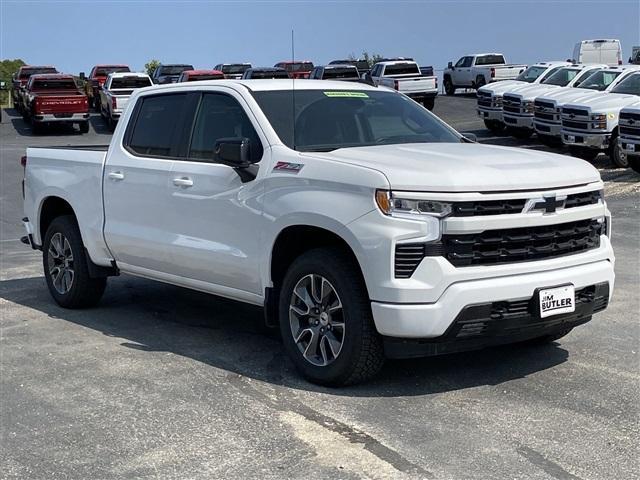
288,167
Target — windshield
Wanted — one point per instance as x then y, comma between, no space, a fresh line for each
599,80
130,82
562,77
340,73
235,68
490,60
54,84
531,74
27,72
328,120
104,71
174,69
630,85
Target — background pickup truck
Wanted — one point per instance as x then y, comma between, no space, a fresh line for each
54,98
96,79
233,70
405,77
474,71
20,79
164,74
115,94
296,69
375,230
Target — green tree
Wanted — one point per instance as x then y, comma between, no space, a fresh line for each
372,58
7,69
151,66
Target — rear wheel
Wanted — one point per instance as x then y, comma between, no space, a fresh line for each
549,140
520,132
449,87
429,103
634,162
325,319
616,154
588,154
494,125
65,266
111,123
84,127
480,81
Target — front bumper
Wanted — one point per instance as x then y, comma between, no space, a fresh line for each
599,141
433,320
490,114
518,121
630,146
57,118
549,129
498,323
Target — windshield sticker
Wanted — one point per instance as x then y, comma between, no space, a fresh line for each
346,94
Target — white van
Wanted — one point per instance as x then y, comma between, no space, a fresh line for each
608,52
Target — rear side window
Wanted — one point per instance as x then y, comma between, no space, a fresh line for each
221,116
157,125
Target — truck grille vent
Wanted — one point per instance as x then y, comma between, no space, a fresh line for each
543,104
409,255
633,131
544,116
511,100
493,247
630,116
578,112
576,125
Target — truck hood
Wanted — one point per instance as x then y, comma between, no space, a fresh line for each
533,91
565,95
605,102
501,87
466,167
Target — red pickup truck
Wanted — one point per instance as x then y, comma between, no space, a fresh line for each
96,79
20,79
54,98
296,69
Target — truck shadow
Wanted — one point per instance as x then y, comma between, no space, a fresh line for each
154,317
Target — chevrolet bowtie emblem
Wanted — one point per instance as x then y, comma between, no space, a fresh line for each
546,205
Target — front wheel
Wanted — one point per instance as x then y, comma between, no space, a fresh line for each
429,103
520,132
616,154
326,321
634,162
588,154
449,87
494,125
65,266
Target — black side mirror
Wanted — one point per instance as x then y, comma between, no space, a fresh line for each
82,76
469,137
233,151
450,65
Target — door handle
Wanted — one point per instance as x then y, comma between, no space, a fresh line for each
116,175
183,182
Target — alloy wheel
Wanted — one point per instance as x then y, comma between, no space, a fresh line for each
60,263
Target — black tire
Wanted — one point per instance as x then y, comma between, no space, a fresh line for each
634,162
617,156
37,128
588,154
84,127
361,354
449,88
494,125
97,106
82,290
550,140
480,81
429,103
111,123
549,338
519,132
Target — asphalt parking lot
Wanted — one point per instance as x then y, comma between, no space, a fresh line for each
163,382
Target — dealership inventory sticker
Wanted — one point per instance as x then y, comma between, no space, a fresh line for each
346,94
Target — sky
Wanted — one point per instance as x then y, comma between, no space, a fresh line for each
75,35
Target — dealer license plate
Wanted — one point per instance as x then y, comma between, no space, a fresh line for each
571,139
630,147
557,300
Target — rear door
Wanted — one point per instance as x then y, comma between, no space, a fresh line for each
214,211
137,188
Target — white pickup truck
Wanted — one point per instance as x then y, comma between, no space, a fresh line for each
518,105
590,126
629,125
405,77
116,91
490,96
474,71
364,225
548,106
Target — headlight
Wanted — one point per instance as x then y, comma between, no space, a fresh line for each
599,121
397,206
497,101
599,117
527,105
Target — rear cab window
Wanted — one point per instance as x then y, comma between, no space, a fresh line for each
490,60
43,84
402,69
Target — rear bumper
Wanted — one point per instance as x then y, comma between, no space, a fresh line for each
599,141
549,129
518,121
498,323
418,96
432,320
55,118
490,114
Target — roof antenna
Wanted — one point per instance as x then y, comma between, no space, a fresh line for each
293,88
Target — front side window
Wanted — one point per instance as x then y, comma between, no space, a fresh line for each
156,127
460,62
629,86
221,116
328,120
